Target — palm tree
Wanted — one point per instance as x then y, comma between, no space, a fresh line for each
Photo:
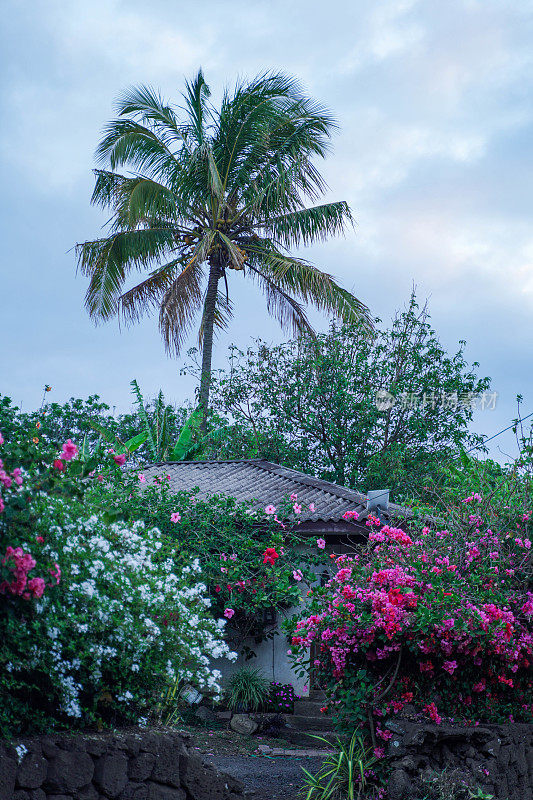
211,190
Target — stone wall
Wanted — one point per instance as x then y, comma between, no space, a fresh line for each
498,758
134,766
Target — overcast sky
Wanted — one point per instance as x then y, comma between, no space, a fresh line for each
434,155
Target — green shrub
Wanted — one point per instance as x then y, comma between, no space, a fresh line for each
247,689
95,618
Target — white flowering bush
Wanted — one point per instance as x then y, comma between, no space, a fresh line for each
118,624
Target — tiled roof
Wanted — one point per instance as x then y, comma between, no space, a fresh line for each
261,482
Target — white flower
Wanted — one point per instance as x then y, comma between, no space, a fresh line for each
21,751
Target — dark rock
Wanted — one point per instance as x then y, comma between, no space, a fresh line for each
135,791
243,724
150,742
399,785
59,797
96,747
205,714
32,769
72,744
8,771
37,794
133,744
86,793
395,727
204,783
141,766
111,773
167,762
158,792
69,771
49,747
20,794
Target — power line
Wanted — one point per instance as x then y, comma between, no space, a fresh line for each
508,428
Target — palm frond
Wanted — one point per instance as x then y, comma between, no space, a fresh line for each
309,283
308,225
289,313
222,316
146,296
196,95
183,299
127,142
107,262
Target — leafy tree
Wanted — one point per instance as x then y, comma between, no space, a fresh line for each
363,412
210,190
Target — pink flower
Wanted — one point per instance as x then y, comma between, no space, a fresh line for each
297,508
69,450
175,516
350,515
142,478
36,587
312,508
1,438
297,574
450,666
120,459
17,476
40,539
55,573
270,556
5,479
2,506
58,464
294,497
321,543
229,612
270,509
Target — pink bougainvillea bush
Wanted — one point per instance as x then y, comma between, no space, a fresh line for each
436,623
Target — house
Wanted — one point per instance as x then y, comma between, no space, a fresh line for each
261,482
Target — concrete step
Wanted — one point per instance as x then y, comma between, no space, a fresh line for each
308,708
301,723
317,694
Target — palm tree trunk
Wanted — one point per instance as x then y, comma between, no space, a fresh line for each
207,348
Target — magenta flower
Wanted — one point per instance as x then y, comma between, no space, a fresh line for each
120,459
142,478
69,450
321,543
229,612
297,508
294,497
450,666
175,516
270,509
297,574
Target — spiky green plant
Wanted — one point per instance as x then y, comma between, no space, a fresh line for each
205,190
247,688
343,774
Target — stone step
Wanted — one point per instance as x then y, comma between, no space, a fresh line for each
317,694
306,738
308,708
301,723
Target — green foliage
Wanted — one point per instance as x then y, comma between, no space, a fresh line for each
346,774
449,784
313,404
247,689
